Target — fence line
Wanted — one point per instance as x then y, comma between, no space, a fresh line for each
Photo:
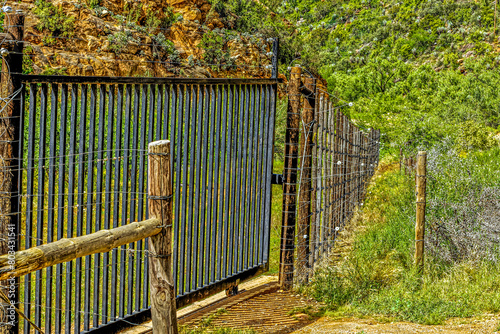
328,163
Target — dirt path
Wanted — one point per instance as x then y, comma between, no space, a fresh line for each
485,324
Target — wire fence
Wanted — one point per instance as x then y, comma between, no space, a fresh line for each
328,163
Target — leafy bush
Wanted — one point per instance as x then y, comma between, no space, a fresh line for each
120,39
215,51
473,136
53,19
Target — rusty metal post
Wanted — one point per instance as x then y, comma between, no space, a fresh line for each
290,181
304,212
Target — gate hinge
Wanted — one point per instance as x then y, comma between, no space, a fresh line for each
277,179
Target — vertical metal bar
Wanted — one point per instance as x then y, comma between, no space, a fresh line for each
244,237
177,110
274,60
211,241
116,198
29,191
257,173
160,111
41,198
320,178
98,202
107,198
336,169
90,193
250,181
223,100
133,189
215,157
328,173
142,172
71,200
226,264
234,171
151,136
262,177
125,192
182,249
80,202
51,161
194,192
238,210
61,202
314,183
201,184
206,189
271,106
332,173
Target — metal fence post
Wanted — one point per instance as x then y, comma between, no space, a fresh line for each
163,308
274,60
304,210
290,181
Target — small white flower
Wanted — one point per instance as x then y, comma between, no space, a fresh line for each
339,163
351,104
305,236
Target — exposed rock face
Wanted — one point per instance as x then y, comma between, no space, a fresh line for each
92,48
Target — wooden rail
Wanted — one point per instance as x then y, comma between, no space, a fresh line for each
64,250
159,229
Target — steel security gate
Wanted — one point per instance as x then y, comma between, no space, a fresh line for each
84,162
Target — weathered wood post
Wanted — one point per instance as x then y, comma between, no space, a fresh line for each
290,181
420,195
306,143
163,309
10,118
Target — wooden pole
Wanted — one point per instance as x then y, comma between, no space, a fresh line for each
420,223
10,117
304,219
65,250
290,181
163,308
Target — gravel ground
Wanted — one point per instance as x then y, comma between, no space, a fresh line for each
482,325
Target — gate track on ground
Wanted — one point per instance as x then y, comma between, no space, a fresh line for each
266,311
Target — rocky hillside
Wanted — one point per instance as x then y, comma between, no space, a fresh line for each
137,38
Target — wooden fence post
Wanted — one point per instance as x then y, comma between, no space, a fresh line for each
420,222
163,308
304,219
290,181
9,144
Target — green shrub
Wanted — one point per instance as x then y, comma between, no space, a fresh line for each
120,39
474,136
53,19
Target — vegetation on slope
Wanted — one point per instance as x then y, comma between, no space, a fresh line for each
461,273
417,70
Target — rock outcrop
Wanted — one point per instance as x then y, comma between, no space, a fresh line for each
118,38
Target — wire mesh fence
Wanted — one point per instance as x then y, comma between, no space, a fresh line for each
328,162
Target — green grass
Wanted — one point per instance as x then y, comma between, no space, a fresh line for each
378,276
